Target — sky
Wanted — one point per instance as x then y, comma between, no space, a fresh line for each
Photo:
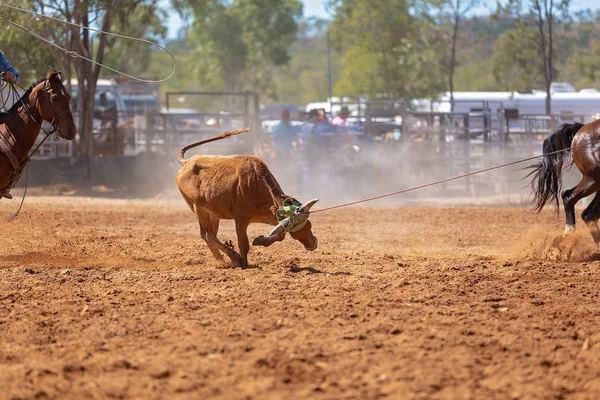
311,8
317,8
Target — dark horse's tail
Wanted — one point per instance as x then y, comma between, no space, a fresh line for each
546,181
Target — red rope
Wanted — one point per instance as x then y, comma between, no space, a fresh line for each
448,179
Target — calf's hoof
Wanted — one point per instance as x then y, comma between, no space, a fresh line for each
239,263
259,241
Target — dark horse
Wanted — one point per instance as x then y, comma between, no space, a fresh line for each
46,100
582,144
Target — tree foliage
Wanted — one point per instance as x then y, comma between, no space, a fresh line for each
238,44
451,15
133,16
540,19
516,64
386,46
380,48
33,63
145,22
304,79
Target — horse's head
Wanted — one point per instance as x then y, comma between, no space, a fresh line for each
53,103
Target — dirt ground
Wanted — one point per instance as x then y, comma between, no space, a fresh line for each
121,299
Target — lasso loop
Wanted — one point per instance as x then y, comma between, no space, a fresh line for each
75,54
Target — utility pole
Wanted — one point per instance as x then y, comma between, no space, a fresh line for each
329,72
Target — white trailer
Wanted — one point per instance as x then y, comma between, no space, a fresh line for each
565,101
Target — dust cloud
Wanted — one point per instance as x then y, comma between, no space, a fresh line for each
346,168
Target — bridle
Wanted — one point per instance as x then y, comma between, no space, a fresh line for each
55,125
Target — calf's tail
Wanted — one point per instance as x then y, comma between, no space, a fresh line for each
182,161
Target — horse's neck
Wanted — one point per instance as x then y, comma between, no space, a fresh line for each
25,127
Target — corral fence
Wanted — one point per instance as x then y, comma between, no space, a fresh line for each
384,146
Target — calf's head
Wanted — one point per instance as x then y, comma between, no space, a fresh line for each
293,218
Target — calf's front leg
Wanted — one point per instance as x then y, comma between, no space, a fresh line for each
266,241
242,236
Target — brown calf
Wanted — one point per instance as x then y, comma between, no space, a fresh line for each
241,188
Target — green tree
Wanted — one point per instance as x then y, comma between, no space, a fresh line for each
33,63
133,56
584,69
451,16
582,51
385,47
102,14
515,63
239,43
544,16
304,79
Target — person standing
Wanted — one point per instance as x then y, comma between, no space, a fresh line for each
285,140
340,119
285,135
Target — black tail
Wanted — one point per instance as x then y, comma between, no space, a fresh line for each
546,182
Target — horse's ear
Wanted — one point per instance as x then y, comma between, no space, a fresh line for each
51,72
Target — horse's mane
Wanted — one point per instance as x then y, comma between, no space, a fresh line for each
25,98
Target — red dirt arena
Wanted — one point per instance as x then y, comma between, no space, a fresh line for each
121,299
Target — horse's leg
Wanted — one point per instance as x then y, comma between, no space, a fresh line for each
590,216
584,188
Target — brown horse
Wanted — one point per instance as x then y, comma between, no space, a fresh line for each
582,143
46,100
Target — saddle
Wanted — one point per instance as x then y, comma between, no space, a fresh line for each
4,117
7,141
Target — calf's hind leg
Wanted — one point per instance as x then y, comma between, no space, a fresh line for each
213,249
208,231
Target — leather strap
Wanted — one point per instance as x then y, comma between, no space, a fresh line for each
6,149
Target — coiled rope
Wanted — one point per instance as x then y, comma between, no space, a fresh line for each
75,54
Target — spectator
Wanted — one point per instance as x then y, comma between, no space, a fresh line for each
284,133
341,118
323,116
285,137
313,116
